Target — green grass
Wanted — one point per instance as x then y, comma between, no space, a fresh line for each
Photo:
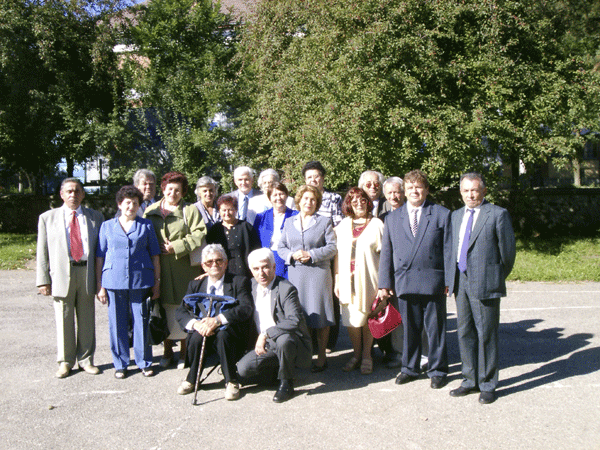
16,250
557,259
538,259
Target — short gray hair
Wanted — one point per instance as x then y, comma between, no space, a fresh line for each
394,180
143,173
206,181
361,180
472,176
213,248
266,173
243,170
259,255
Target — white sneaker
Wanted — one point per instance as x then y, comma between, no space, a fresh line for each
185,388
181,364
232,391
63,370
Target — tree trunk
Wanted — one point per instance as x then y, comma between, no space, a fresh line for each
70,167
577,172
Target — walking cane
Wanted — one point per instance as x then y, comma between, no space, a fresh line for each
202,355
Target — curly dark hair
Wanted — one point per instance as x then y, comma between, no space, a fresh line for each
355,192
175,177
129,192
314,165
227,200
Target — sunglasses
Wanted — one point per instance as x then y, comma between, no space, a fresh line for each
370,184
212,262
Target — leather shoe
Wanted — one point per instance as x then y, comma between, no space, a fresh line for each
185,388
232,391
395,361
462,391
316,369
285,391
487,397
404,378
438,382
91,369
63,370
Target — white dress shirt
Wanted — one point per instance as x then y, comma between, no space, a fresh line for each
262,312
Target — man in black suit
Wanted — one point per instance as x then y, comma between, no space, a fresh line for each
227,333
483,254
283,341
414,255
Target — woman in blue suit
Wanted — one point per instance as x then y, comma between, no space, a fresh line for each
128,267
269,223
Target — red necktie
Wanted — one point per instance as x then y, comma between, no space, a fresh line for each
75,237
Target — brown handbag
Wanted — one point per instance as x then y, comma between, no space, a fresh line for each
384,321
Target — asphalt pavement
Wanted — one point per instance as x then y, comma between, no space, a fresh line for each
549,392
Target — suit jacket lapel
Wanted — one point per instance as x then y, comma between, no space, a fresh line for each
423,224
405,222
274,294
456,222
484,213
228,286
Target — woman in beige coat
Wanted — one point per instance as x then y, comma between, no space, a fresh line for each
180,230
356,273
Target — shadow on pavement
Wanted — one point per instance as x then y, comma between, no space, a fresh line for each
519,345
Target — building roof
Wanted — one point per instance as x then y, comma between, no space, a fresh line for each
239,8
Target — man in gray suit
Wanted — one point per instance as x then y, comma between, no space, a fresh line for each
284,341
66,252
415,253
483,254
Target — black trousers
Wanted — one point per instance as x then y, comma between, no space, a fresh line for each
229,344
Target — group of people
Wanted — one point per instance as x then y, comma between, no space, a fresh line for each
295,267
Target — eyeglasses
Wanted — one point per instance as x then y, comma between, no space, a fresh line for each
358,201
212,262
370,184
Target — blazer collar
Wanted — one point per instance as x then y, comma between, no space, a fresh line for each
482,218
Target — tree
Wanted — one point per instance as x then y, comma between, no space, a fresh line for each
441,85
61,93
180,67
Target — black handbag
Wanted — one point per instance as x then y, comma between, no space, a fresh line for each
158,328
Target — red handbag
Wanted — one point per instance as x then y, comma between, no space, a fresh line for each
385,321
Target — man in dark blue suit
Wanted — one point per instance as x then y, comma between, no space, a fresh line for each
415,253
483,254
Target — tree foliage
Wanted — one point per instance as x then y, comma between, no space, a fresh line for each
180,68
394,85
60,88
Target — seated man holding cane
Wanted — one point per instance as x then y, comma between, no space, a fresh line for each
227,333
284,341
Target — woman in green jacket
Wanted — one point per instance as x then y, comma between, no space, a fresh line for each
180,230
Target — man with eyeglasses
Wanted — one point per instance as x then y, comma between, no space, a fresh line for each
226,334
371,182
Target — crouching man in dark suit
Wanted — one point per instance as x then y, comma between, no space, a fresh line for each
483,254
226,334
284,341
